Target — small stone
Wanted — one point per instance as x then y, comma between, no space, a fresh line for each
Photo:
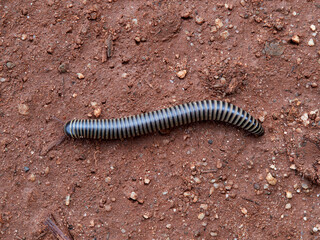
107,179
80,76
186,13
211,191
46,170
63,67
295,39
313,28
219,164
97,112
210,141
32,177
199,20
256,186
311,42
24,37
213,234
133,196
26,169
147,215
197,180
108,208
288,206
315,229
201,216
218,23
304,186
288,194
68,200
137,39
204,206
271,180
2,79
314,85
91,223
244,211
304,119
168,226
10,65
224,34
181,74
23,109
147,181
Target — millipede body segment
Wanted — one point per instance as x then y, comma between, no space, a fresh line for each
149,122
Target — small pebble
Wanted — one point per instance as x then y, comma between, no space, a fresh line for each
168,226
186,13
133,196
224,34
210,141
46,170
23,109
288,194
10,65
311,42
24,37
197,180
211,191
314,85
108,208
63,67
218,23
244,211
315,229
288,206
107,179
68,200
295,39
204,206
146,181
32,177
201,216
80,76
270,179
199,20
313,28
181,74
2,79
137,39
97,112
91,223
26,169
219,164
304,186
213,234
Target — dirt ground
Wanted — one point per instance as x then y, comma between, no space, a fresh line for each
70,59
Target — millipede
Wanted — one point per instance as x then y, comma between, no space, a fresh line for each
132,126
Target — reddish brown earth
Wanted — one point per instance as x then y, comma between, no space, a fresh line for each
202,181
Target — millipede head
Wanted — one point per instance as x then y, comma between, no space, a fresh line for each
67,128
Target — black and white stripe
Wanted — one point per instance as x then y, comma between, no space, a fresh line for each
163,119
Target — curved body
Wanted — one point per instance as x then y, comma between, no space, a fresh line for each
163,119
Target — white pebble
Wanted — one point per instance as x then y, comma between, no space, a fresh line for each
311,42
271,180
288,206
181,74
201,216
80,76
313,28
23,109
68,200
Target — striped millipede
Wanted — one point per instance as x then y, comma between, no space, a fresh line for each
137,125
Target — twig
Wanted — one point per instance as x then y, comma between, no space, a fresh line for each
55,229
